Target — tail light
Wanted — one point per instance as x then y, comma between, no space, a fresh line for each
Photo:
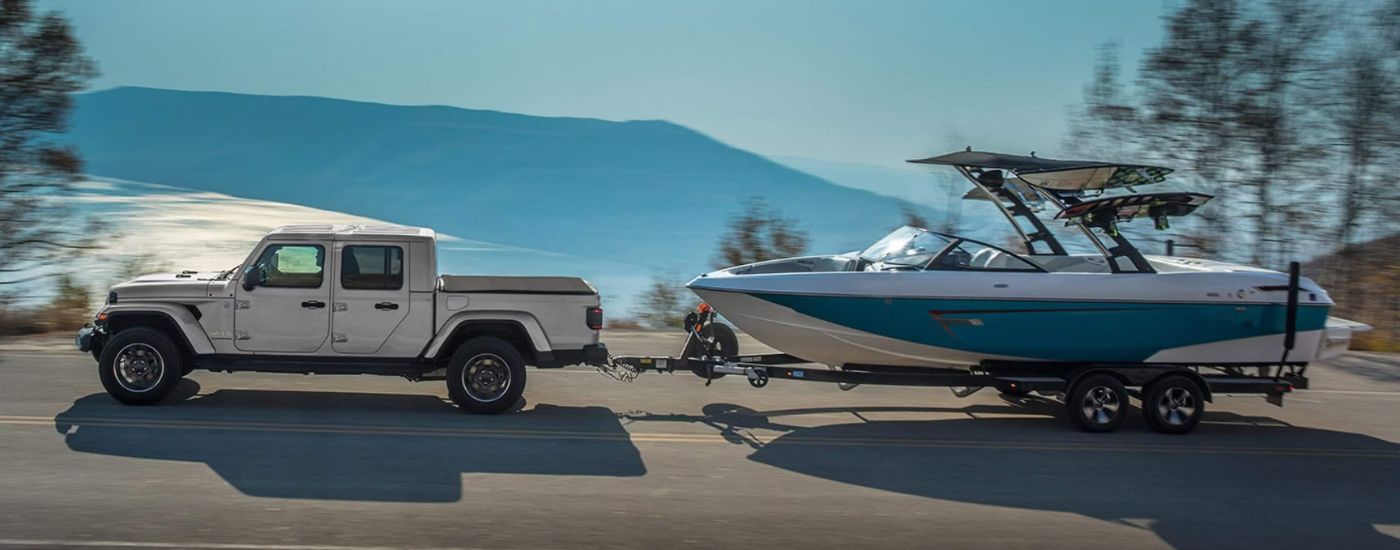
595,318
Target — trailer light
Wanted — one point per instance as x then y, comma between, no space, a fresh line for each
102,316
704,308
595,318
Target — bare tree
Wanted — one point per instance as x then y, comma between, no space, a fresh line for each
1364,111
41,65
1192,85
759,234
1106,126
1283,54
662,305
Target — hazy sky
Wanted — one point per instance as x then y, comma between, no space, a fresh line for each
843,80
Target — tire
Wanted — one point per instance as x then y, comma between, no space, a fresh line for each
140,366
1097,403
726,345
1173,405
486,376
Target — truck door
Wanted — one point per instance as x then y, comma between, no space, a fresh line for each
290,311
371,297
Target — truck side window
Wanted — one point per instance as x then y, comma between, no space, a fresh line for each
293,265
371,268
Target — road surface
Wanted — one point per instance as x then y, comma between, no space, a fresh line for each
255,462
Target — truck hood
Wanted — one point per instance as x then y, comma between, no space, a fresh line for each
186,284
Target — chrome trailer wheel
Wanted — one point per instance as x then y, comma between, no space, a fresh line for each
1097,403
1174,404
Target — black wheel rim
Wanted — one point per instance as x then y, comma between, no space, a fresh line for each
1100,405
486,377
1176,406
139,368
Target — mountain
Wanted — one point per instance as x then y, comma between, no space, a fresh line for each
915,183
653,195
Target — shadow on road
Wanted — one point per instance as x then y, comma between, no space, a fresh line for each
1237,482
351,446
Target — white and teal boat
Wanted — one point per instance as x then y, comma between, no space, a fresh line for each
920,298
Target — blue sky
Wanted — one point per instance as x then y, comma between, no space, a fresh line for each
855,81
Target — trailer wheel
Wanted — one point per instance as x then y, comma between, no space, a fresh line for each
486,375
1097,403
726,345
140,366
1174,405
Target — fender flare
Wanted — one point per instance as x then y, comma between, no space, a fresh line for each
526,321
189,327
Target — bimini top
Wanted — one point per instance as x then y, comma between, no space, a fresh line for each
1056,175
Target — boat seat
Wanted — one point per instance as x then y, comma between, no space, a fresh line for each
1088,263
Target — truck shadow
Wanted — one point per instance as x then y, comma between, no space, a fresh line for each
1236,482
351,446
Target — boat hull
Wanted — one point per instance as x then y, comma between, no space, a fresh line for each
939,332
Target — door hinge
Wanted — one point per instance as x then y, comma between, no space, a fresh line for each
242,304
337,337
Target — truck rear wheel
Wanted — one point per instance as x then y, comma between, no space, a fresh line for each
140,366
1097,403
486,375
1173,405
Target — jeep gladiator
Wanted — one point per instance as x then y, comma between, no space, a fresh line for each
344,299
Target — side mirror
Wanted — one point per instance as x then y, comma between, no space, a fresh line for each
253,275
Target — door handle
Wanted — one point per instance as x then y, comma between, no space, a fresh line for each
386,305
313,304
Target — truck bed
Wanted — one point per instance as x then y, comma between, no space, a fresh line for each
494,284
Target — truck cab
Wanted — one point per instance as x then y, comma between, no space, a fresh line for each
344,299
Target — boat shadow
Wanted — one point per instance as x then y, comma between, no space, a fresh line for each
1237,482
350,446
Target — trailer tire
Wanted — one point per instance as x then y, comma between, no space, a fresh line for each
726,345
140,366
486,375
1173,404
1097,403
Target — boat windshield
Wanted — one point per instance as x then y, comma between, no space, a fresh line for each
906,246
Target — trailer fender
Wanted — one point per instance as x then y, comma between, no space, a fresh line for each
1139,376
525,321
180,316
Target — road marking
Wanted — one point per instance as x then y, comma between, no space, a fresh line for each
200,545
698,438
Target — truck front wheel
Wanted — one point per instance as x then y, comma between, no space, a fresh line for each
140,366
486,375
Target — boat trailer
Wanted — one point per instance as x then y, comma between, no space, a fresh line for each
1179,389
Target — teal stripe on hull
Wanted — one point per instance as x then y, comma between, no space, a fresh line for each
1127,332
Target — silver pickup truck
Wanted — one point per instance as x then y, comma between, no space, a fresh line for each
324,299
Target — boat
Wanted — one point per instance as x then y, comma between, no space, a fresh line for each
924,298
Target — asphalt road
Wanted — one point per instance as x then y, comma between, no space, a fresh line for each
256,462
